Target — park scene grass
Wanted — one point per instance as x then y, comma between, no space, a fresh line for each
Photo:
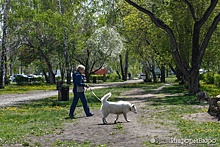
47,116
20,89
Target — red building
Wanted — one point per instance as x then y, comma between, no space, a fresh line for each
101,71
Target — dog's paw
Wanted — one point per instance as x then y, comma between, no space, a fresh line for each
128,120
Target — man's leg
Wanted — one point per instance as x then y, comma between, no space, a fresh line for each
85,105
73,105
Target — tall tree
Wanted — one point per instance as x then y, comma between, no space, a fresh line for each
199,44
103,43
3,52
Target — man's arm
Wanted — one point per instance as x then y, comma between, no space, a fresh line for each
78,80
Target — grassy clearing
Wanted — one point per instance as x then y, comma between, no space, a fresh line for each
46,116
20,89
168,112
42,117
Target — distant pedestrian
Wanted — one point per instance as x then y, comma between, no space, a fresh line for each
78,91
129,76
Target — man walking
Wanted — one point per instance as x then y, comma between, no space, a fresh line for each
78,91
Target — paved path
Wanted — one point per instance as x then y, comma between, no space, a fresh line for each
12,99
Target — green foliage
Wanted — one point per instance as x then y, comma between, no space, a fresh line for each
98,77
58,78
21,80
217,80
211,89
25,80
209,78
113,77
201,77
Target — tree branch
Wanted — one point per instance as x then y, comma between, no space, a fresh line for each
92,72
191,9
208,37
207,13
159,23
78,60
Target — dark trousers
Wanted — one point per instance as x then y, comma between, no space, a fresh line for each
83,99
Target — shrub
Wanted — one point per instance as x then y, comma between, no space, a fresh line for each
7,80
58,78
21,80
217,80
99,77
114,77
201,77
25,80
209,78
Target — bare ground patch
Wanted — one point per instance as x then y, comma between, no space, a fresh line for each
200,117
129,134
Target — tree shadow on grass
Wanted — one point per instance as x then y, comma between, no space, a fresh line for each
174,100
51,102
173,89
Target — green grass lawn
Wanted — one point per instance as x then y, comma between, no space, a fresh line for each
168,112
46,116
20,89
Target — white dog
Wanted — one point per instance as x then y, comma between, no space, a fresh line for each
121,107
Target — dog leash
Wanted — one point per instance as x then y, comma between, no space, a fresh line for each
94,94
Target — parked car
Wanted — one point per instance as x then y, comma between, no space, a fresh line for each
32,76
12,78
142,76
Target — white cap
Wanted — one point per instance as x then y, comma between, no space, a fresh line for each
80,67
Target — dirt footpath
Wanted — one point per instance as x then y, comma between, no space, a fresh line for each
13,99
123,134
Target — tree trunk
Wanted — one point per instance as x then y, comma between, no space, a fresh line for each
193,82
214,107
121,66
87,75
162,77
51,76
52,79
6,82
153,70
62,75
119,76
68,71
147,71
126,66
4,33
46,77
154,76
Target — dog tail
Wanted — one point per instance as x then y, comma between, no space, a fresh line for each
105,97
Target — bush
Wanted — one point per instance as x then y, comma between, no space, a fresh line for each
58,78
7,80
113,77
217,80
201,77
21,80
209,78
25,80
99,77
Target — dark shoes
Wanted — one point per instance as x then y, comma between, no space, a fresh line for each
73,117
70,117
91,114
